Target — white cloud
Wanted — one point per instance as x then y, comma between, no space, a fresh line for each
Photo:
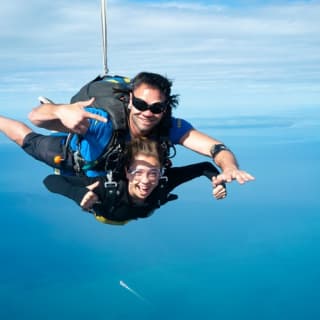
247,51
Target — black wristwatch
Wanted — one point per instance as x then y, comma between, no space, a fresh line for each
216,148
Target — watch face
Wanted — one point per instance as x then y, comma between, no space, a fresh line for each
216,147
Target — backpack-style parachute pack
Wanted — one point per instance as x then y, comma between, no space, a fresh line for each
111,94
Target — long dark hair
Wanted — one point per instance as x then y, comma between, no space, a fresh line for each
157,81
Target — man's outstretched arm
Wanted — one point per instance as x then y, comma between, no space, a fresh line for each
225,159
64,117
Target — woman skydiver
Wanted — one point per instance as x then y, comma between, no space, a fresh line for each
145,187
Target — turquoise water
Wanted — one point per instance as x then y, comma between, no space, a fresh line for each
254,255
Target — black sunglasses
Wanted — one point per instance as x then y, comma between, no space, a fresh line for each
141,105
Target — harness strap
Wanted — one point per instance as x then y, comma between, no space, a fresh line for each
111,189
111,195
78,161
110,159
163,196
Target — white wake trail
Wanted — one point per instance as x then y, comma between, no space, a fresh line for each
124,285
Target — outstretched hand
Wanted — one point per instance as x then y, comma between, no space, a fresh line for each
219,191
228,175
90,198
75,118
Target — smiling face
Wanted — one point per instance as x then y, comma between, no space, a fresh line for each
142,122
143,176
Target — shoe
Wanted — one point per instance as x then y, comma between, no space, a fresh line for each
44,100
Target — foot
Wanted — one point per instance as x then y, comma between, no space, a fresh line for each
44,100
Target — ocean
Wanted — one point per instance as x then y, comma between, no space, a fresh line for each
254,255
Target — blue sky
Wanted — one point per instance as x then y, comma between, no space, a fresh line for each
257,253
225,57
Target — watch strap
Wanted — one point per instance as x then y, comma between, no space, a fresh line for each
216,148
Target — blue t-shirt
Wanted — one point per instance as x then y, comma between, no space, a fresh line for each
99,133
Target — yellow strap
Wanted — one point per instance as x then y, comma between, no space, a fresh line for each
113,222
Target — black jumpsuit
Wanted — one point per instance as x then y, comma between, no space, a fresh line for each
122,208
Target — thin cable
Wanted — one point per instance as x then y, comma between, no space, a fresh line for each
104,37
